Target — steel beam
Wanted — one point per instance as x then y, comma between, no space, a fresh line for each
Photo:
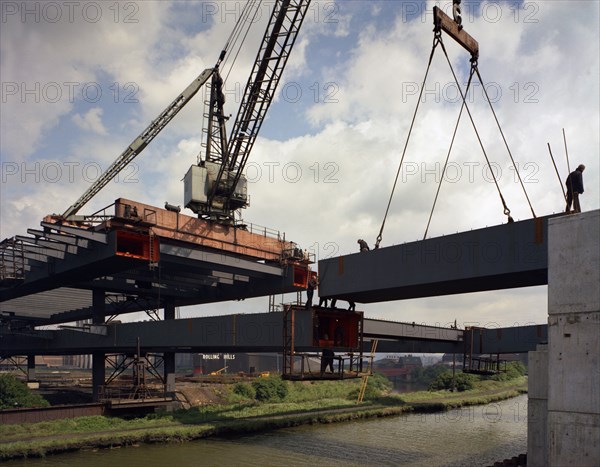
261,332
506,340
494,258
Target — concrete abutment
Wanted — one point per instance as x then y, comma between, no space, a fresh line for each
564,395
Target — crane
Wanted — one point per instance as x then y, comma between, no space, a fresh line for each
216,187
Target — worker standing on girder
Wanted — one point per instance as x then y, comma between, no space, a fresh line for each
363,245
310,289
574,184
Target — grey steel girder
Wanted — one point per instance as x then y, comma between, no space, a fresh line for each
260,332
500,257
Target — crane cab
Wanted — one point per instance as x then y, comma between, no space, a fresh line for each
199,182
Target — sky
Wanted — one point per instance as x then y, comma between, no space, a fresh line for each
80,80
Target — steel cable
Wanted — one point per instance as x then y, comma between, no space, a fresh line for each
437,40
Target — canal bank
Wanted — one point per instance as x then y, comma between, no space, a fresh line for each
468,436
36,440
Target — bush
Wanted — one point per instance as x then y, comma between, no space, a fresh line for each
424,376
245,390
271,389
15,393
377,386
513,371
379,382
463,382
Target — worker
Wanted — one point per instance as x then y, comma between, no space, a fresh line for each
363,245
310,290
327,357
351,306
323,302
574,184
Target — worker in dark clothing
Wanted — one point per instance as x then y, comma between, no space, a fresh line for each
574,184
327,357
310,290
363,245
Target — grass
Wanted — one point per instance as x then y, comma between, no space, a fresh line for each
306,403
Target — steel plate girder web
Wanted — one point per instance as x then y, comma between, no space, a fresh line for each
500,257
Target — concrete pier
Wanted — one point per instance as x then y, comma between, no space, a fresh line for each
571,423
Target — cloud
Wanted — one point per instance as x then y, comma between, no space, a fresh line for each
91,121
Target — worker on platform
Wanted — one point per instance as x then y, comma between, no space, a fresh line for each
363,245
310,290
327,357
574,184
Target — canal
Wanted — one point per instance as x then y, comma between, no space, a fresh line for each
471,436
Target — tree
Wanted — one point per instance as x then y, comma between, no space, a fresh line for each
463,381
271,389
15,393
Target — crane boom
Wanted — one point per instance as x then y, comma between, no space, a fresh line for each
138,144
279,38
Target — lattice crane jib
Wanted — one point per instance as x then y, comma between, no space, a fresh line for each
218,186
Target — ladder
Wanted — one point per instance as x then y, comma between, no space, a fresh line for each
365,378
152,263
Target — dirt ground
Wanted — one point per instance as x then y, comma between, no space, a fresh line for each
192,394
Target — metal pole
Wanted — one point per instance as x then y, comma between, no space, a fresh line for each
453,372
567,155
557,174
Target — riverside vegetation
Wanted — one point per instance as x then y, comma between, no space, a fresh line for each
266,404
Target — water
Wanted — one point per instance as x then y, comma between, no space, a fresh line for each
471,436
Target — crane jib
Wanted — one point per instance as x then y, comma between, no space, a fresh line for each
138,144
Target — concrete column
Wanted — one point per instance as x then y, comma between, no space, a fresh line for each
98,363
537,407
573,430
169,357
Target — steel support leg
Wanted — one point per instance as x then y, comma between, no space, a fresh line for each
169,357
98,363
30,368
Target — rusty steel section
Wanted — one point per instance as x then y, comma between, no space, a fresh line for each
242,239
454,29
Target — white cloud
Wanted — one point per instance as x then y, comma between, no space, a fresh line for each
91,121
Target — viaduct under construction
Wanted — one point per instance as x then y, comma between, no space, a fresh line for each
132,257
